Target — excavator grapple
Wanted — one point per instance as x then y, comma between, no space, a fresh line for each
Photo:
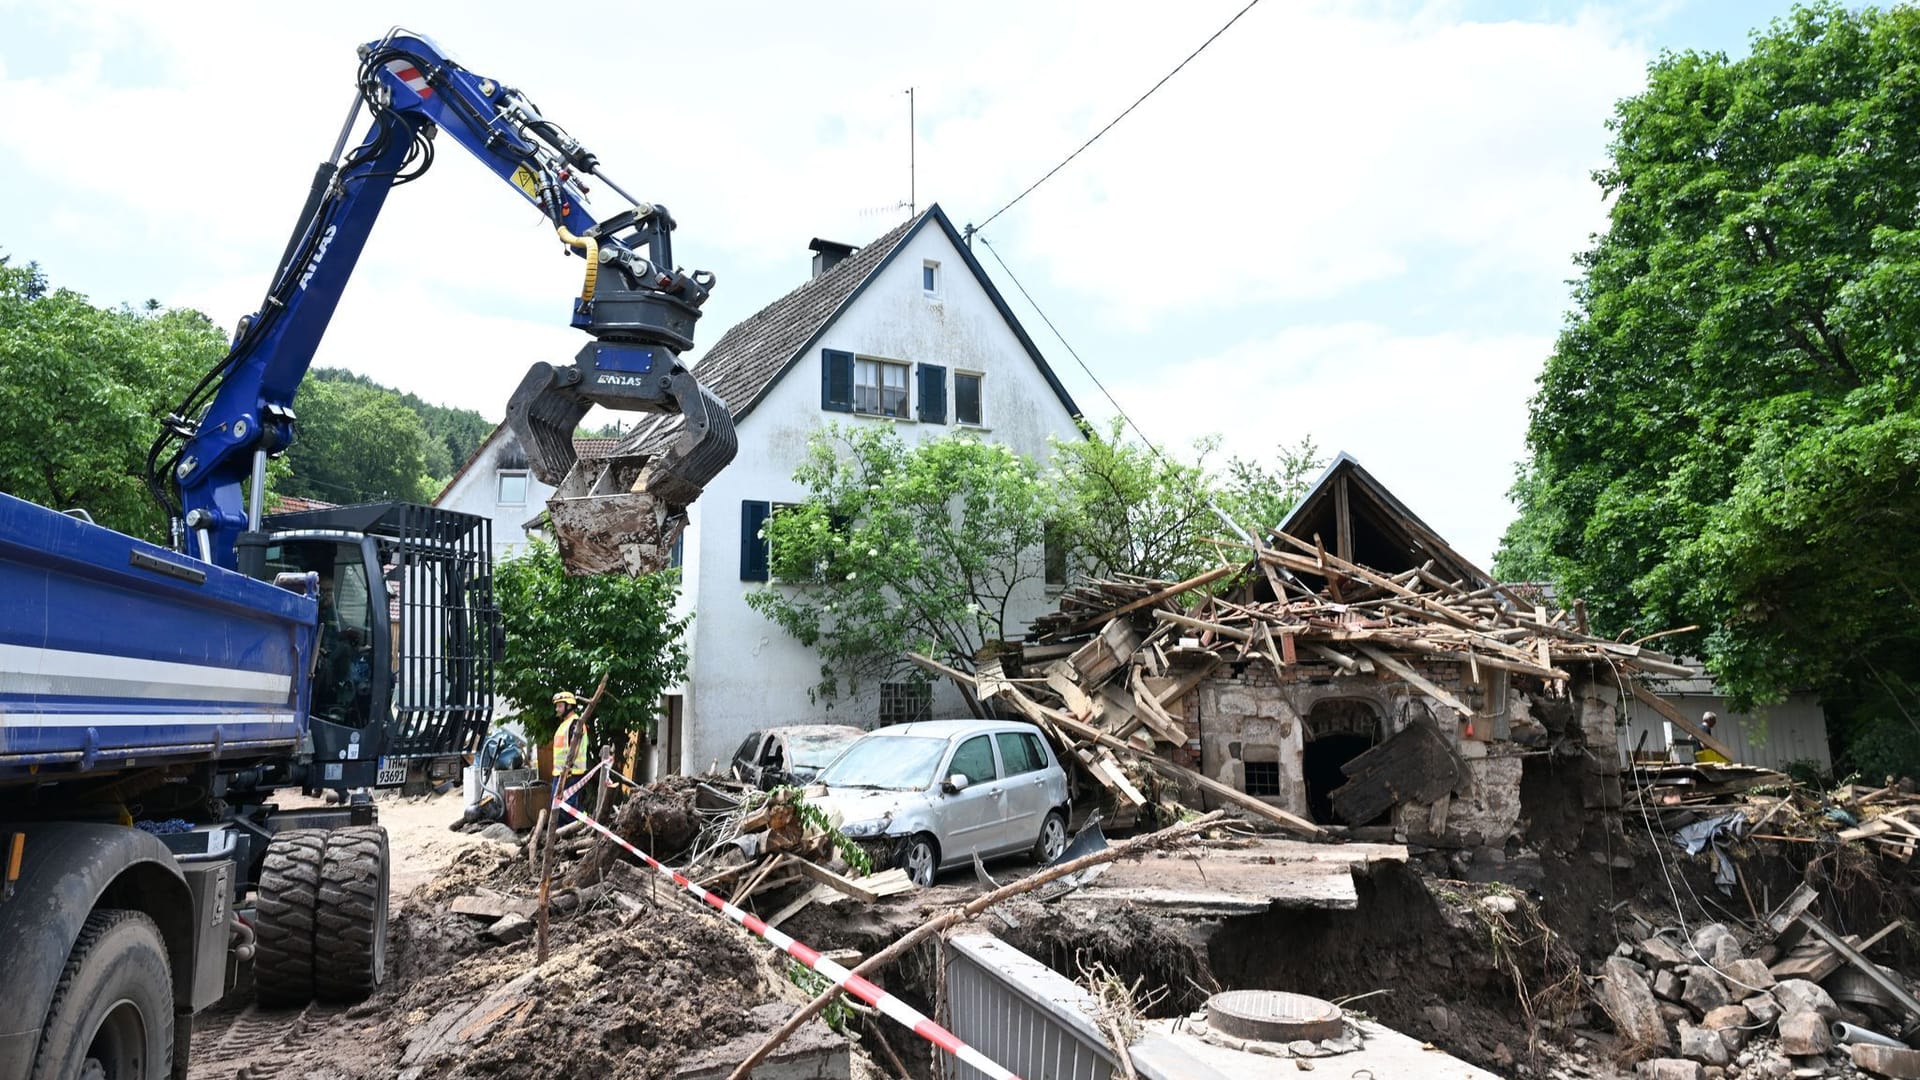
624,513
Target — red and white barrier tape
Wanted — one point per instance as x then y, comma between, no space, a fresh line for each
893,1007
577,784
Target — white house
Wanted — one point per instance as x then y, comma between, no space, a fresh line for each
495,483
907,330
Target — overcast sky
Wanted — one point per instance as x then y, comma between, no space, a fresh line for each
1346,220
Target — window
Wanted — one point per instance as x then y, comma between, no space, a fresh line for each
513,487
880,388
974,760
678,556
1053,554
905,702
966,398
930,278
1019,753
1263,778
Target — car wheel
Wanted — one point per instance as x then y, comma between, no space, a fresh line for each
921,859
1053,839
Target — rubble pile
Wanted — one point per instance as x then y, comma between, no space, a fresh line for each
1111,675
1767,1008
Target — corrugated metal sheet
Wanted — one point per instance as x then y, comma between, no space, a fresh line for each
1780,735
1020,1013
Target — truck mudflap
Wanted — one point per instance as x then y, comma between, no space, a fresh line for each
67,870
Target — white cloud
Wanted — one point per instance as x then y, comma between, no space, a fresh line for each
1438,418
1372,158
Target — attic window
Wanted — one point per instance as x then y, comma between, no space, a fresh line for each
930,278
513,487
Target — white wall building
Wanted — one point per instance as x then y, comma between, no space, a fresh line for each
908,331
495,483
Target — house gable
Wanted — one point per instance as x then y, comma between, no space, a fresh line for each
755,354
1356,518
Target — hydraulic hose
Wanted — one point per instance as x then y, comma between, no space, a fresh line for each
591,248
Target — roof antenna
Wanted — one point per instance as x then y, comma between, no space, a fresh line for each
913,203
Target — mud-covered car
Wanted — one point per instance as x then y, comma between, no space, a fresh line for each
793,754
930,795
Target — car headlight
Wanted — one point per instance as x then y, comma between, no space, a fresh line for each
861,830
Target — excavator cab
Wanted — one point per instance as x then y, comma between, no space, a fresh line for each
403,663
624,513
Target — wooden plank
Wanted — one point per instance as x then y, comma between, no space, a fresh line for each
1167,593
1342,519
839,882
1108,652
1240,798
1345,662
1660,705
1076,699
991,679
818,892
1152,715
1415,679
1201,624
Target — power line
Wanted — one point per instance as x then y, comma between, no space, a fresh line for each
1111,400
1110,124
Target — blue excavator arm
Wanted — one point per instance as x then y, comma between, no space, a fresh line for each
638,308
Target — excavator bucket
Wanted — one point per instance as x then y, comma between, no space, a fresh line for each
620,514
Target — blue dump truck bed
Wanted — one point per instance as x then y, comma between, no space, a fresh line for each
115,652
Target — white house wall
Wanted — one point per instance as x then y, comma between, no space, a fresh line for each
746,673
476,491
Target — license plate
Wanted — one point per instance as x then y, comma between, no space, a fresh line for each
391,773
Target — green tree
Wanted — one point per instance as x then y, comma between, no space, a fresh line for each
1259,496
1130,508
564,632
452,434
898,548
86,391
1726,432
355,443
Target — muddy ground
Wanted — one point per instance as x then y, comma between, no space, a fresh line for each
1484,953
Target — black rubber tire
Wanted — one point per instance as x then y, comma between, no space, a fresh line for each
1040,854
113,1004
916,865
284,918
350,922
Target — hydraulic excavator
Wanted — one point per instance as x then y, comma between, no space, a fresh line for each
177,688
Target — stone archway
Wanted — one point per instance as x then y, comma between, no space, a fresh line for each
1337,730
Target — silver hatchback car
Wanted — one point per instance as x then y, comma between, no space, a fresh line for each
929,795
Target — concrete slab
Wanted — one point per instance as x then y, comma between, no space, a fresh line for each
1168,1053
1240,879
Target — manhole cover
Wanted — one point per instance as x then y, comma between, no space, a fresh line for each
1274,1016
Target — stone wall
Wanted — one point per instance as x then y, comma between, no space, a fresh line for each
1252,715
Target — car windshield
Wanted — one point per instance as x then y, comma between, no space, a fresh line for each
896,762
817,750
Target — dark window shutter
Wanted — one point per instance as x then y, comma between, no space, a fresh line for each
753,546
836,380
933,394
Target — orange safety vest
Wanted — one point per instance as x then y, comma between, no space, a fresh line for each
577,764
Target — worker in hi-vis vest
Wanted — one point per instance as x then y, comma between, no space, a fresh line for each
569,745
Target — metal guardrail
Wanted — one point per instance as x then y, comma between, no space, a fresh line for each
1021,1013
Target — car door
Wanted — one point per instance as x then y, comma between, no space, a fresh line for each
1021,768
974,818
746,760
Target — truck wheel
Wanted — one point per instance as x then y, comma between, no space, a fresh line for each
284,914
112,1012
350,922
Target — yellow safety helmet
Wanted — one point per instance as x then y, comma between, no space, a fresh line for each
566,696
